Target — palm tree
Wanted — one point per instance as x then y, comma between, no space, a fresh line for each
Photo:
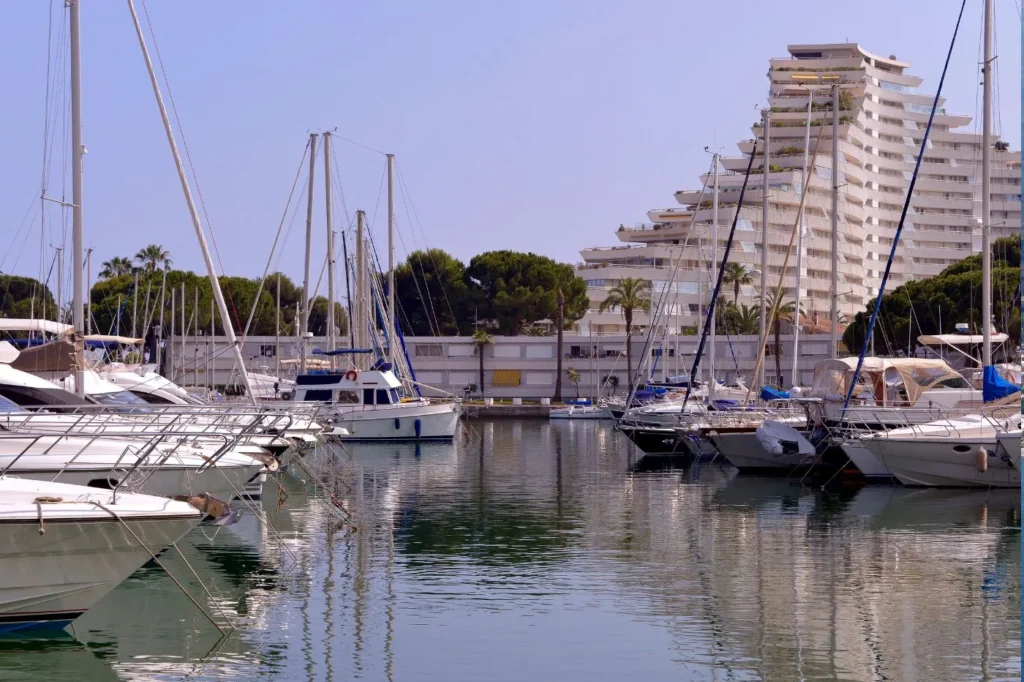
748,319
630,296
736,275
559,322
785,312
153,257
574,378
612,382
115,267
481,338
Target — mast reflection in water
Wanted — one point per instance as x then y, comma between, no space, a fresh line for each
533,550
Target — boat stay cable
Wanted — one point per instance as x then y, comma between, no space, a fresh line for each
721,276
777,303
903,216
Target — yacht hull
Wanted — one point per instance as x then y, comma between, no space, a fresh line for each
403,422
165,481
947,462
745,452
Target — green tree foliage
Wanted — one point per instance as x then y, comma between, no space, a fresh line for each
955,292
514,289
17,294
432,294
505,290
239,294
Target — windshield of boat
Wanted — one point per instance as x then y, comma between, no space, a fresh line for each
125,399
8,405
32,397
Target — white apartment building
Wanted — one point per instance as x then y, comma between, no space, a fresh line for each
883,114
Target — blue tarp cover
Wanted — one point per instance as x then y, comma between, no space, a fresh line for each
769,393
994,387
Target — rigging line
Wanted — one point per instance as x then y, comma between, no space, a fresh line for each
273,247
358,144
428,307
46,132
662,300
903,216
405,191
188,157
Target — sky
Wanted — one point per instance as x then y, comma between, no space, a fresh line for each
534,125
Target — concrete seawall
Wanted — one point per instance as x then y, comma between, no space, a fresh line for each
507,411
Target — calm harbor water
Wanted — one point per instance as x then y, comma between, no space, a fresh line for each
554,552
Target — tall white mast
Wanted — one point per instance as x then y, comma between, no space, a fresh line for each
986,173
330,246
360,320
800,251
714,279
767,123
391,333
77,152
305,303
833,288
218,295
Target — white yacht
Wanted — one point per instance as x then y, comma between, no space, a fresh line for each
63,547
977,450
367,406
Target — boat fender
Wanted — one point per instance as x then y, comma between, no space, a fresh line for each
418,425
351,375
777,449
982,460
398,424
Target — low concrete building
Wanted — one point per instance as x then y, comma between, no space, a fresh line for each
514,366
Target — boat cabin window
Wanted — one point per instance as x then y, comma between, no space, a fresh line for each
319,396
8,405
153,399
30,396
382,396
347,397
125,399
394,396
367,396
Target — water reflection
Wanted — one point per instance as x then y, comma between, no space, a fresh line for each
532,549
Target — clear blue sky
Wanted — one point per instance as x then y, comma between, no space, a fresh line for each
534,125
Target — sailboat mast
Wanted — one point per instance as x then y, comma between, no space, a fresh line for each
391,260
714,277
833,289
277,332
330,247
305,303
986,172
218,295
800,249
767,127
359,321
77,152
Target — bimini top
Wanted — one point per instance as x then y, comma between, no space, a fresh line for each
959,339
914,375
12,324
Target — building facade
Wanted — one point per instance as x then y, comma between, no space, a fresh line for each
514,366
882,117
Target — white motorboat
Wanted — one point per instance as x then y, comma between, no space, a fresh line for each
579,412
969,451
63,547
774,446
366,406
154,467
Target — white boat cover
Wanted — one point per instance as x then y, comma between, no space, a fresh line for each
778,439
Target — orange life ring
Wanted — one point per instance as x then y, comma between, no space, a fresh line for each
351,375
